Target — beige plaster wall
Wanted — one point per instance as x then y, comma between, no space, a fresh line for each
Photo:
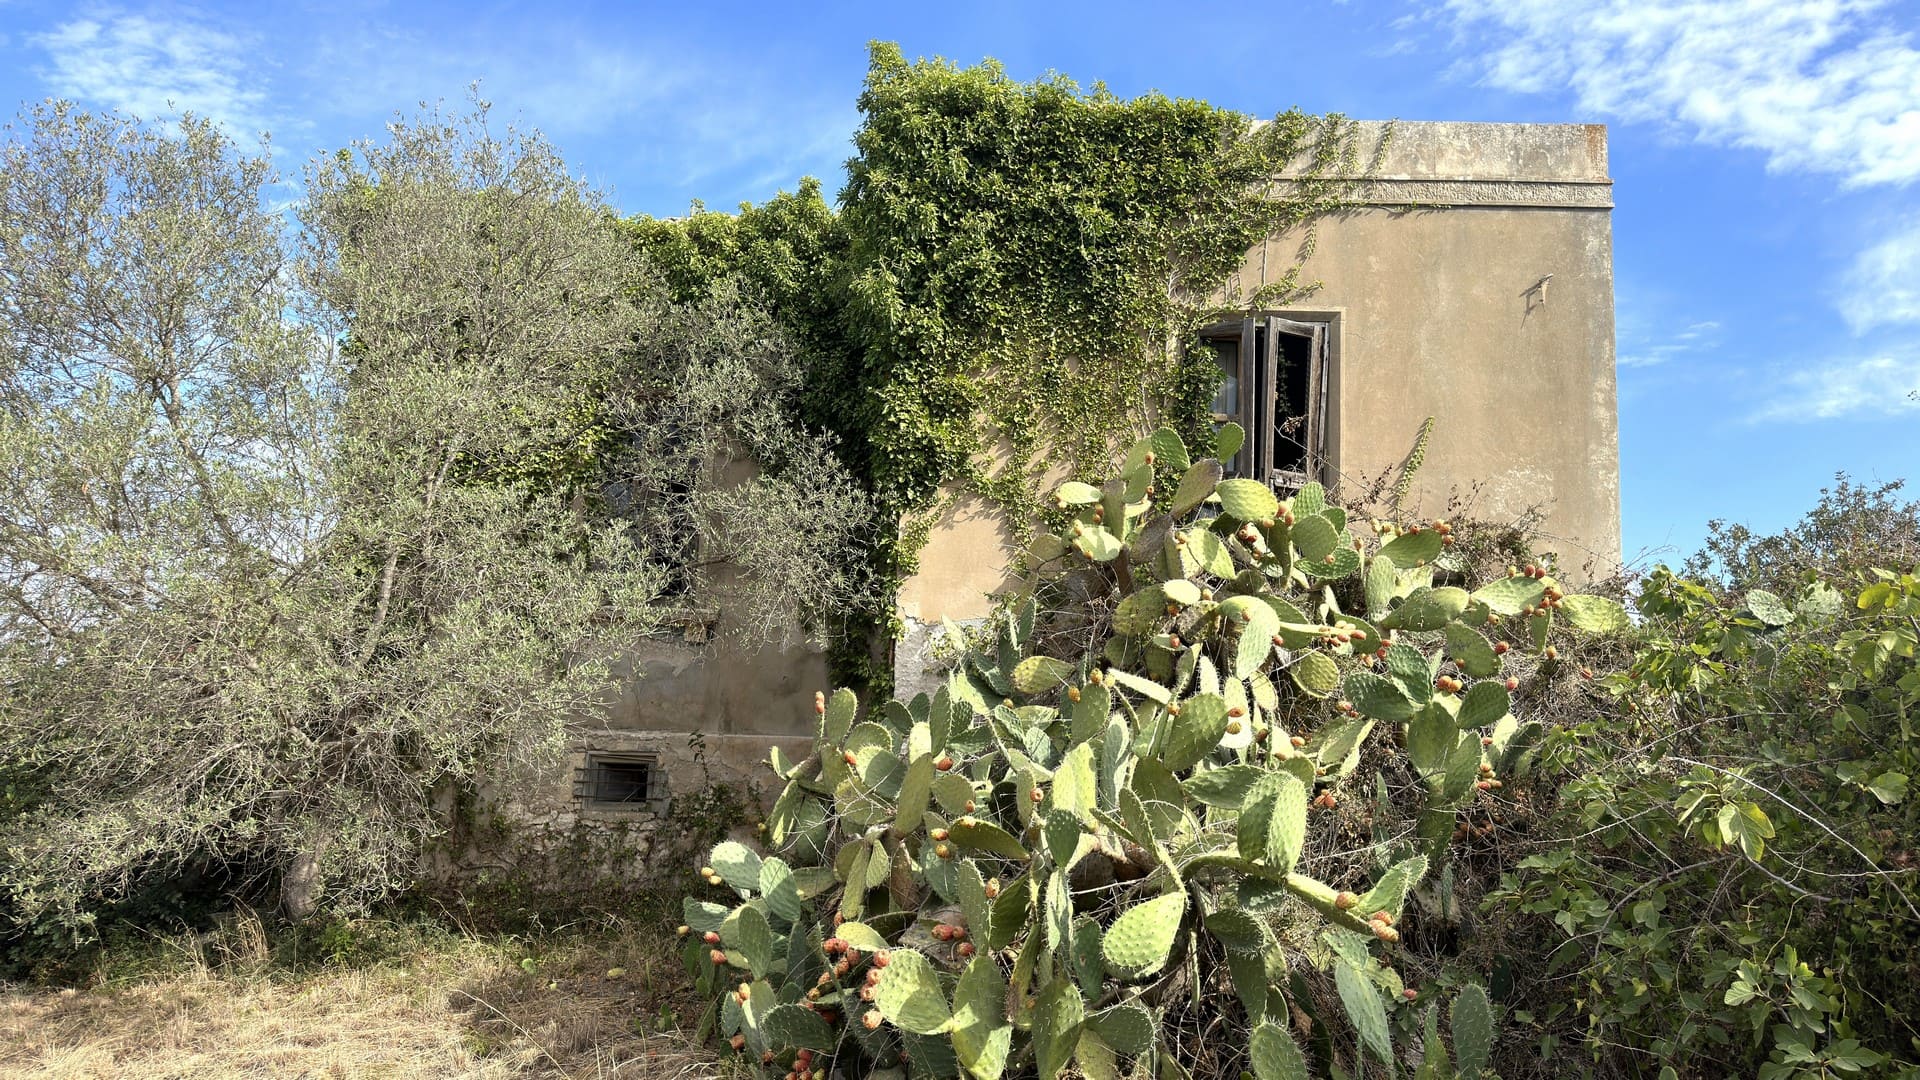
1437,313
1444,306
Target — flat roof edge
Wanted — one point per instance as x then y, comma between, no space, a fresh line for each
1449,151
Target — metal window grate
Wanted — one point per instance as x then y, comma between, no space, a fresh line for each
620,782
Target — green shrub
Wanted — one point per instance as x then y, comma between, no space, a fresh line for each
1137,812
1729,877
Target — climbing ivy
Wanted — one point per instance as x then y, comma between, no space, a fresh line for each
1026,259
1013,275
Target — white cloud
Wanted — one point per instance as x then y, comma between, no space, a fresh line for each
155,68
678,120
1696,338
1816,85
1877,386
1882,288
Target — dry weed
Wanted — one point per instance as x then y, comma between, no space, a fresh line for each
584,1007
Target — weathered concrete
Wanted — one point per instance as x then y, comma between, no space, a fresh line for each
535,834
706,702
1493,312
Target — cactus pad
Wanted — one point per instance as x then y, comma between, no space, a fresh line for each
1381,699
909,996
737,864
1599,615
1056,1026
1471,650
982,1035
1472,1030
1409,550
1275,1056
1368,1014
1484,704
1039,674
1128,1029
796,1027
1316,537
1194,733
1141,939
1427,609
1510,595
1247,500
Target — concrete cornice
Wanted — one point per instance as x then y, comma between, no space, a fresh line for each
1566,194
1444,164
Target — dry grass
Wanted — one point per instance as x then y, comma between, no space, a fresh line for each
601,1004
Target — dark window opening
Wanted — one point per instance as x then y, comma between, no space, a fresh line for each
1292,404
1275,387
620,782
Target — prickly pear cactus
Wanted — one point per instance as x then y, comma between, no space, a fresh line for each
1026,872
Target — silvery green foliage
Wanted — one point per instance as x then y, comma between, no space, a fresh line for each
296,537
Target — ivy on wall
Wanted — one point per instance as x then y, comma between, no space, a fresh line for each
1013,274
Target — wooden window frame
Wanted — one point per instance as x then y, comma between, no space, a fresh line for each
1260,354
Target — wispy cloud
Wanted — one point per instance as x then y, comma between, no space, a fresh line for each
680,123
1696,338
1816,85
1881,385
157,67
1882,288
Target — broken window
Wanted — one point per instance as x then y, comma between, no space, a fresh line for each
1275,386
620,782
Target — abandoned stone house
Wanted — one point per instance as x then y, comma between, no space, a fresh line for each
1476,272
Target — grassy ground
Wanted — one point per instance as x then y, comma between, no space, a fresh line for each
371,999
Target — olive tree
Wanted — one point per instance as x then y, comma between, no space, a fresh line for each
301,529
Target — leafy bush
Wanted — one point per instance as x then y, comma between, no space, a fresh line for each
1138,813
1850,530
1728,881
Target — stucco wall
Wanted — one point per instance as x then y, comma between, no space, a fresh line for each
1439,306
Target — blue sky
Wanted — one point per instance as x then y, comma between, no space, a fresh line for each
1765,153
